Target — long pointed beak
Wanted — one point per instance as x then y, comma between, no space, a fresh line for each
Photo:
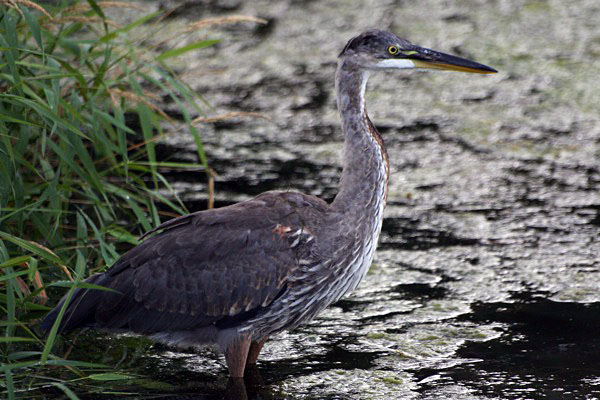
431,59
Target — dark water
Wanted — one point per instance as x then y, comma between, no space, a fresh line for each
486,283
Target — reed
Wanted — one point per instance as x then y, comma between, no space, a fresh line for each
78,182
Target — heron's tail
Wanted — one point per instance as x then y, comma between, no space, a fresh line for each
80,311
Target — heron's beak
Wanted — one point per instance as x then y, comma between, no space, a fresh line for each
431,59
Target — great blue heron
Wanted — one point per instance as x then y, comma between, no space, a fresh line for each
236,275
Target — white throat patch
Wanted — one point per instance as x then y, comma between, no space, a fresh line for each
396,63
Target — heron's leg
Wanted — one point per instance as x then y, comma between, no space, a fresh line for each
236,355
255,349
236,389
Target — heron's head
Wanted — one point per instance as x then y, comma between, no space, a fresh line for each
376,49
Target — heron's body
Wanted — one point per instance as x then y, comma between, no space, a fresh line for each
236,275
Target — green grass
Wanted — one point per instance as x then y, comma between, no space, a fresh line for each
78,182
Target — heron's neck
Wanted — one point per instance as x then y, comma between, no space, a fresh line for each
366,170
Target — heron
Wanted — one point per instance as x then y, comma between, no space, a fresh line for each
234,276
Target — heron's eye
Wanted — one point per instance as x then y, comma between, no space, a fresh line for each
393,50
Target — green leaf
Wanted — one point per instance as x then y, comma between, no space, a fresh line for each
110,36
82,83
55,362
12,275
182,50
84,156
15,261
10,386
54,330
12,118
106,250
147,121
26,245
110,376
42,109
82,285
72,363
24,305
34,27
101,72
15,339
168,164
123,236
96,9
68,392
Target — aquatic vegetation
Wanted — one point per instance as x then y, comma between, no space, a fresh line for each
79,172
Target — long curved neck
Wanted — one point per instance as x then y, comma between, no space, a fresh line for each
366,169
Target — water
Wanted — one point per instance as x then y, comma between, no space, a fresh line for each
486,281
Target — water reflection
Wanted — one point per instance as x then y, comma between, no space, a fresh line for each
549,350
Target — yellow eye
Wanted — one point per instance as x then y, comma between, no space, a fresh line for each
393,50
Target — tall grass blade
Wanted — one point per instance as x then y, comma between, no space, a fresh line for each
96,8
15,261
31,247
54,330
10,386
112,35
80,176
186,49
110,376
68,392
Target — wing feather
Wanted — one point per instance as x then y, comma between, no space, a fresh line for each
206,267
